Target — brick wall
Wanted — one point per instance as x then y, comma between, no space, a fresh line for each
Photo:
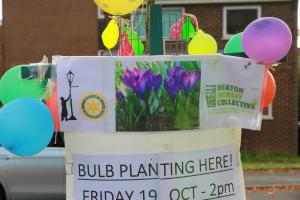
280,134
33,28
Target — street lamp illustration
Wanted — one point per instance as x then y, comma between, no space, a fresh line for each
70,78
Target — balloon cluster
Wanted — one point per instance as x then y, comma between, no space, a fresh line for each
187,30
266,40
26,124
130,42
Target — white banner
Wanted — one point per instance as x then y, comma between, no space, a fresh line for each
158,93
200,175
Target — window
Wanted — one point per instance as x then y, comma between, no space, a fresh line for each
268,112
170,16
236,19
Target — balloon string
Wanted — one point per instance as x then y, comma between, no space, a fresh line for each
140,19
55,138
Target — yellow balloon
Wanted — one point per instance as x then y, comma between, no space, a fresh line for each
110,35
202,43
118,7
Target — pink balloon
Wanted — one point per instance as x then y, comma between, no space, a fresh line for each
267,40
125,49
176,29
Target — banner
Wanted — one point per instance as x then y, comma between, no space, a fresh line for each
158,93
195,164
199,175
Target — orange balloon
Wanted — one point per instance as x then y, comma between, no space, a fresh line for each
269,89
52,104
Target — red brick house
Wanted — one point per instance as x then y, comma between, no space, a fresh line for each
33,28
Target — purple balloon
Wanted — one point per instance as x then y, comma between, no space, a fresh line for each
267,40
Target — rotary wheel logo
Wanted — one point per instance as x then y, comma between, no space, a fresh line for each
93,106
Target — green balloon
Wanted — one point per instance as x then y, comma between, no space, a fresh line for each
234,45
13,87
188,30
136,43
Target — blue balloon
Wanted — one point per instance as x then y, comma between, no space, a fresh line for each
26,126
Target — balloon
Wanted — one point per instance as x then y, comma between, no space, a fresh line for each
176,29
117,7
136,43
13,87
52,104
269,90
202,43
126,48
234,45
26,126
267,40
188,30
110,35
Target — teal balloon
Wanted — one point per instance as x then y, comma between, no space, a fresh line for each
234,45
12,86
26,127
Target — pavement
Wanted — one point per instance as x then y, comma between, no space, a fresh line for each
273,185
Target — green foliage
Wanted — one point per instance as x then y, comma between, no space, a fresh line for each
269,161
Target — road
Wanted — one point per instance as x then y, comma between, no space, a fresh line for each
273,185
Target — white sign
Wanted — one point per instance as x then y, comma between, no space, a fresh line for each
231,90
86,94
200,175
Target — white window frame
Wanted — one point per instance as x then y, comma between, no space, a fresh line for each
270,113
227,36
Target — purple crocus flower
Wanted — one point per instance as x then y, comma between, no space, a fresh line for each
141,81
173,83
172,86
119,95
189,80
175,71
156,81
129,78
147,76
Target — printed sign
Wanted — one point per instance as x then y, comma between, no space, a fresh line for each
231,91
159,93
86,94
200,175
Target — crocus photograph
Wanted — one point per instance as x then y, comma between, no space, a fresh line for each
157,96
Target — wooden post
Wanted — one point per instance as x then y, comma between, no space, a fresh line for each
148,5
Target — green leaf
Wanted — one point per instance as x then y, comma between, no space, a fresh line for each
153,102
187,113
154,67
